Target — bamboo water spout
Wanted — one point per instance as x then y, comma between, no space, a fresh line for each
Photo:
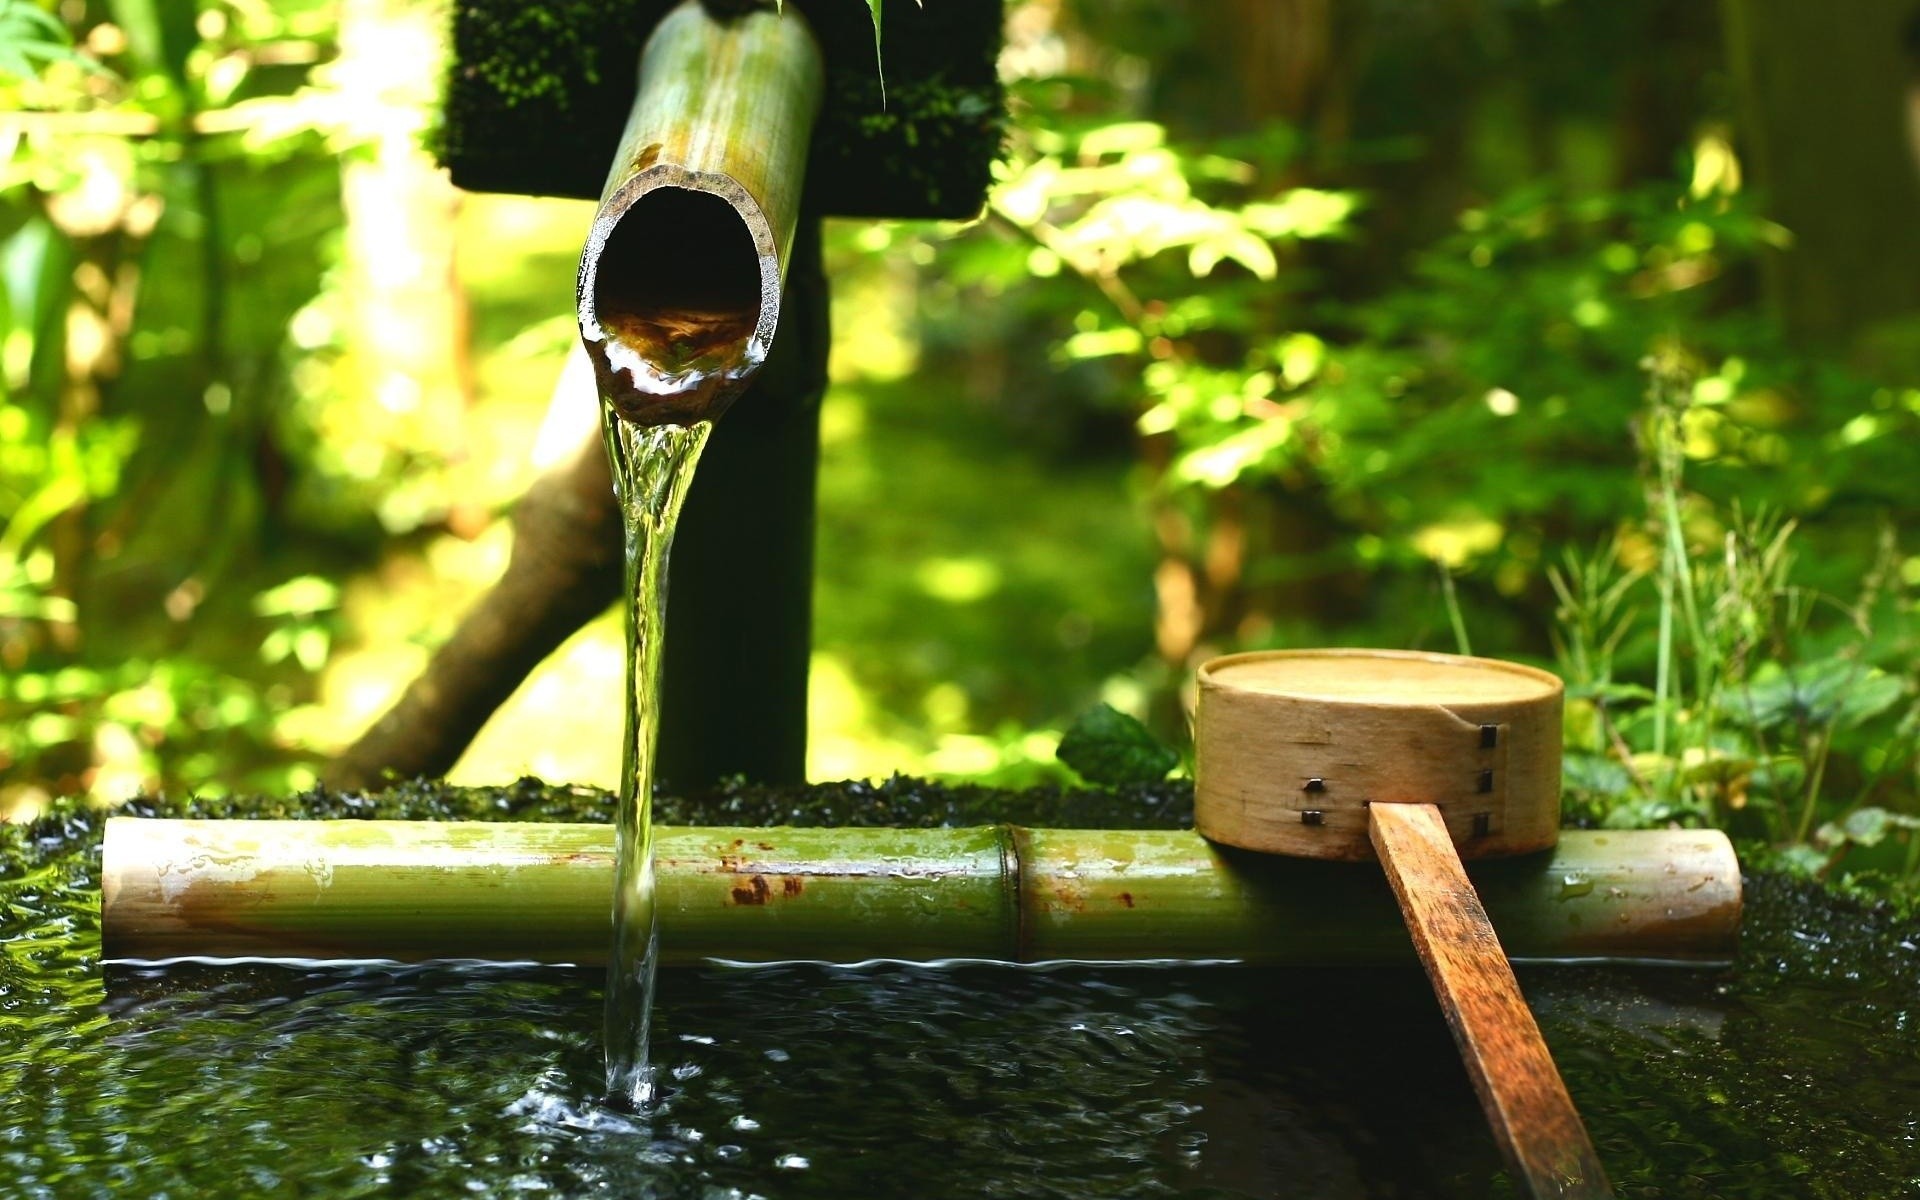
680,281
679,296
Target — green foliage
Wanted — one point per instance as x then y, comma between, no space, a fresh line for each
1144,226
300,611
1467,415
144,351
1106,746
1773,707
30,34
1563,368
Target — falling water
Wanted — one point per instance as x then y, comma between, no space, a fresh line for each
672,319
652,466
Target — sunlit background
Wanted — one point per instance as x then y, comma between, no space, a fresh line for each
1553,330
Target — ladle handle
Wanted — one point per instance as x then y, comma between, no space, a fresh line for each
1526,1101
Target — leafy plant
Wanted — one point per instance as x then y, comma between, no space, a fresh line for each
1772,710
30,34
1166,279
880,68
300,611
143,365
1106,746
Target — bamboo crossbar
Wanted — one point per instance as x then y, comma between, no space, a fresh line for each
413,891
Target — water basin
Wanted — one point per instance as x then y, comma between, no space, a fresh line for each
1794,1073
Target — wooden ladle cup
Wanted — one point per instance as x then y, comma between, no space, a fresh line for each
1418,760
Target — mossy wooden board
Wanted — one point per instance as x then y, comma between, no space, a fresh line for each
537,94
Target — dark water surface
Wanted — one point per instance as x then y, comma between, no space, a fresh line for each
1795,1074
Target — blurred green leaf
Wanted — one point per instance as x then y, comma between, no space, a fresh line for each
300,596
310,647
1596,777
1105,745
1865,827
1801,859
1841,691
29,34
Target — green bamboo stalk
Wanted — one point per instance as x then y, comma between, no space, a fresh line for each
530,892
680,279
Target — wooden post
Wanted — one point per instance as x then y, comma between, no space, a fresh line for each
701,298
734,696
535,99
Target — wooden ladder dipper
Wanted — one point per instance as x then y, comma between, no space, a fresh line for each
1419,760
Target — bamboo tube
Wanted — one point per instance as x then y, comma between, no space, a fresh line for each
530,892
680,279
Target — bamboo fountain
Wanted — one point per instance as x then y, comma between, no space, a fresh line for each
1309,764
1416,761
679,296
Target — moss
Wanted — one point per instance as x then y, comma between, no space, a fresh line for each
900,801
536,97
556,49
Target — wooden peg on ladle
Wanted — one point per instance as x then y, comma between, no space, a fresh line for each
1420,761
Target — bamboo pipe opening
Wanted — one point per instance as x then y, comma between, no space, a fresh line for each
680,279
684,288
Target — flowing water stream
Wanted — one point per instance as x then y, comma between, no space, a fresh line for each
652,466
675,333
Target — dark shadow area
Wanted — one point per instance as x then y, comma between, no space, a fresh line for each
679,280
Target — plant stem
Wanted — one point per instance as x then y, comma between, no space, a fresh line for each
1454,617
1819,744
1663,663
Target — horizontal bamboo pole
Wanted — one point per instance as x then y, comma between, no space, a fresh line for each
413,890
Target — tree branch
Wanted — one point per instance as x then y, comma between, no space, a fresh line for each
564,570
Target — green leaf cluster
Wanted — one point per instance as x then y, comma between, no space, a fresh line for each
1562,368
31,37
